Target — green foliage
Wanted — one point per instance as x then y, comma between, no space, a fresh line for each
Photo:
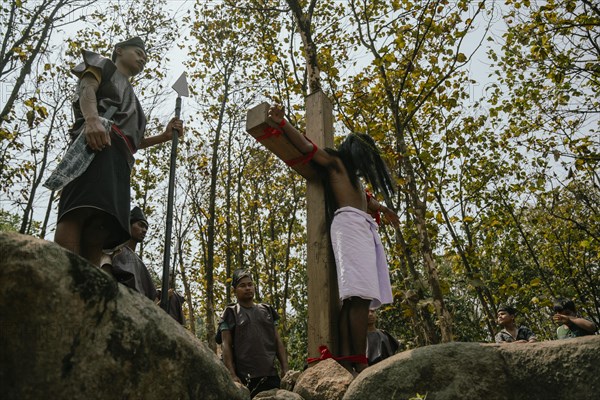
9,222
498,196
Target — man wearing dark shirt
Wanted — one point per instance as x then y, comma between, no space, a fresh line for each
93,210
380,344
250,340
511,333
127,267
572,325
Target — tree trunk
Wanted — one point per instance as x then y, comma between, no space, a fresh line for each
214,172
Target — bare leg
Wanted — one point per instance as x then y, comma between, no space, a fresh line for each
345,344
69,229
359,320
84,231
353,330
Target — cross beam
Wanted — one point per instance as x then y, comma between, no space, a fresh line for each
263,129
323,298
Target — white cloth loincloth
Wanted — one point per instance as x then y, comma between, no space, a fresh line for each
361,264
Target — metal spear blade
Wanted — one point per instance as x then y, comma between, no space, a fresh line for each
181,86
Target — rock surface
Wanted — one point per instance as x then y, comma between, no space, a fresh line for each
289,380
277,394
567,369
69,331
327,380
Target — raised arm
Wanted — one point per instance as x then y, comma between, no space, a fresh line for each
301,142
582,323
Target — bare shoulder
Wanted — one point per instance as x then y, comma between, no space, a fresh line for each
327,160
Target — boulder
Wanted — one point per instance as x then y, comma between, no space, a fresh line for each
327,380
566,369
68,330
277,394
289,380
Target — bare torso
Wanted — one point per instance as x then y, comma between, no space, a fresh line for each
346,195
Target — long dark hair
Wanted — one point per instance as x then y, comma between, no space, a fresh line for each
361,157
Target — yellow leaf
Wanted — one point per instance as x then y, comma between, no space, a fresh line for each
439,218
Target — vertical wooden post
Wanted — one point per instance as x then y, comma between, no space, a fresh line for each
323,302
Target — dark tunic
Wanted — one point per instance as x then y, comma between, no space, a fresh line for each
380,345
175,306
254,343
105,184
130,270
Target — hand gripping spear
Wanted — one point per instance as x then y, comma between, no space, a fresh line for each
181,87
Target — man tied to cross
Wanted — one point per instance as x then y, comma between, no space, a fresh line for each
362,271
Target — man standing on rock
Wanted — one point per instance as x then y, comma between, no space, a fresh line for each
510,333
109,127
250,340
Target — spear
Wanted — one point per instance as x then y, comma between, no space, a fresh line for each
181,87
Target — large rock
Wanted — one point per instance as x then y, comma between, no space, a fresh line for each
277,394
289,380
69,331
327,380
567,369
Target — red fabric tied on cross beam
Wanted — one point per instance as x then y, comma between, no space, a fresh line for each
269,131
303,159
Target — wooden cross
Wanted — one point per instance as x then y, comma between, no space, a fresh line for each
323,298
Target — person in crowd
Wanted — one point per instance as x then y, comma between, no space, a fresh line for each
127,266
511,333
380,344
175,305
249,338
571,324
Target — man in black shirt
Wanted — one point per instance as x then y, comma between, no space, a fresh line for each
510,333
380,344
250,340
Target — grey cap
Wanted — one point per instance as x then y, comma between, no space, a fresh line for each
507,308
238,275
134,41
137,214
